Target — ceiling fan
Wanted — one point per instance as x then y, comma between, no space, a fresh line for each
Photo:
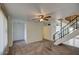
42,18
43,15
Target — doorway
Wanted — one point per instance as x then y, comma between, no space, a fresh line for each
18,32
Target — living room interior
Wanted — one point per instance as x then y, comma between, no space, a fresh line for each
39,28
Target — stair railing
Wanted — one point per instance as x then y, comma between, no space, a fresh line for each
67,29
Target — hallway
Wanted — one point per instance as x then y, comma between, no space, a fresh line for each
42,48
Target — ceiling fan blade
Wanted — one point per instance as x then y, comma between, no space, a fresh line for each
48,17
41,16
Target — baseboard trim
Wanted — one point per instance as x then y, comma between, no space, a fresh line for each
17,41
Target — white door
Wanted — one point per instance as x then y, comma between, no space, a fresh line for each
18,31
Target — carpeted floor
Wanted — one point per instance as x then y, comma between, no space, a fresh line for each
44,47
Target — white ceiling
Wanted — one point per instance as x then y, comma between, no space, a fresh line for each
29,10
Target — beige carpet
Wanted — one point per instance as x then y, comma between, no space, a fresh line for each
44,47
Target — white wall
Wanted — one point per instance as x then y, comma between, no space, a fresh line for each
34,31
76,42
53,28
69,42
10,30
73,42
3,32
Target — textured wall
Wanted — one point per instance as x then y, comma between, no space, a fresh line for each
34,32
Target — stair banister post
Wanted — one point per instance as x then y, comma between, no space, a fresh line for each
76,22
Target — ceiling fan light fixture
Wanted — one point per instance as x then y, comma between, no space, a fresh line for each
41,20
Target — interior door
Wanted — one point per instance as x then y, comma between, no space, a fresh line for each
18,31
46,32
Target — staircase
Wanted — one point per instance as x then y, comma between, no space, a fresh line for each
67,32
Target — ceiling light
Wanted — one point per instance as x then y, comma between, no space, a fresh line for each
41,20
